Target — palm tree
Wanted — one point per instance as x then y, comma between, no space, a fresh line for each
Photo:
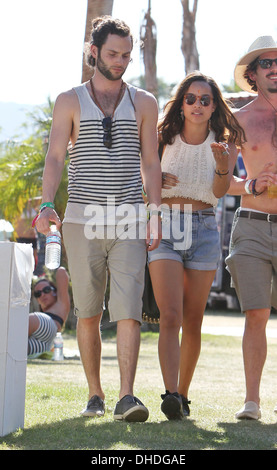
148,37
95,8
188,46
21,168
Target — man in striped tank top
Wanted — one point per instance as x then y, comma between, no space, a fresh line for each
109,128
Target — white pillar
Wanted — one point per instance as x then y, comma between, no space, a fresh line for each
16,270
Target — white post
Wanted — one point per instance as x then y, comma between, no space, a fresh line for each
17,265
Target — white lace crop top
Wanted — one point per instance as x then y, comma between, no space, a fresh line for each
194,165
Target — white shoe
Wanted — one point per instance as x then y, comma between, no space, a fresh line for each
250,410
275,409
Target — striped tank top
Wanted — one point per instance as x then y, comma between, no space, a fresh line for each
99,175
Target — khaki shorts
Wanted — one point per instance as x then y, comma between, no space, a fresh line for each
252,263
88,262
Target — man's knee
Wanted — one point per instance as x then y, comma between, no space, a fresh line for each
257,318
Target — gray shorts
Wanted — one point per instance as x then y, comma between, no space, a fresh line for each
88,262
252,262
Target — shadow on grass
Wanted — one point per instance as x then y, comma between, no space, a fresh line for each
99,434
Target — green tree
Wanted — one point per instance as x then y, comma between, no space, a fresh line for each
232,87
164,92
21,167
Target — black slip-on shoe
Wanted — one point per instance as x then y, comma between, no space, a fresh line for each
95,407
130,408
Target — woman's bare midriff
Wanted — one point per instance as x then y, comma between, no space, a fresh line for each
182,204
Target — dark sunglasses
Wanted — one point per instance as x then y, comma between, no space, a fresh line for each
45,290
267,63
190,99
107,137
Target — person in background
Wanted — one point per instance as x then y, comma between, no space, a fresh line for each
111,130
54,302
198,132
252,259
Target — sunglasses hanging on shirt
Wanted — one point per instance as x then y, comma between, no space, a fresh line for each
108,120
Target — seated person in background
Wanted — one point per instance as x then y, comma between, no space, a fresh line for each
54,302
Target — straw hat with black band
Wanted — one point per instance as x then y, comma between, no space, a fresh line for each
260,46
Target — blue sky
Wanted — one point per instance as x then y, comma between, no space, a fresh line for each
42,42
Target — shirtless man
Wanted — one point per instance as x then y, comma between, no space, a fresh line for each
112,130
253,250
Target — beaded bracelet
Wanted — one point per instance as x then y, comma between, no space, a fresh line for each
254,192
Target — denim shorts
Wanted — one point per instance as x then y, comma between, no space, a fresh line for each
189,237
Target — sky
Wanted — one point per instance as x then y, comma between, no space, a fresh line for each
42,41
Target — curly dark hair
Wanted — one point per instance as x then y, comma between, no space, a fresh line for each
222,122
101,28
252,67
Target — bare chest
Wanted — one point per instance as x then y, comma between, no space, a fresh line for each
107,102
259,148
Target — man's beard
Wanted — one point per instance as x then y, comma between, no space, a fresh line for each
272,90
102,67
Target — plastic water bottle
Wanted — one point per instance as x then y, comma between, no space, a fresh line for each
58,348
241,167
53,248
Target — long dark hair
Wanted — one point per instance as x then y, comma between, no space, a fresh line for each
222,122
51,284
45,279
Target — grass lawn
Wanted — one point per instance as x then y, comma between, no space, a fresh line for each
56,392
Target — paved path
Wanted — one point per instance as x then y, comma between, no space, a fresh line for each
230,324
221,323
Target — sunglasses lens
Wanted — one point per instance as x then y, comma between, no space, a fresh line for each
45,290
265,63
190,99
107,123
107,137
205,100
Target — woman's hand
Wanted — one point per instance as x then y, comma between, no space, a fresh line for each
169,180
221,155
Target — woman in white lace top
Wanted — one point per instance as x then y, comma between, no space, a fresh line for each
199,135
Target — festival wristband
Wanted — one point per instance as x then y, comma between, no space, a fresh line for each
158,213
47,204
247,188
143,191
43,206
